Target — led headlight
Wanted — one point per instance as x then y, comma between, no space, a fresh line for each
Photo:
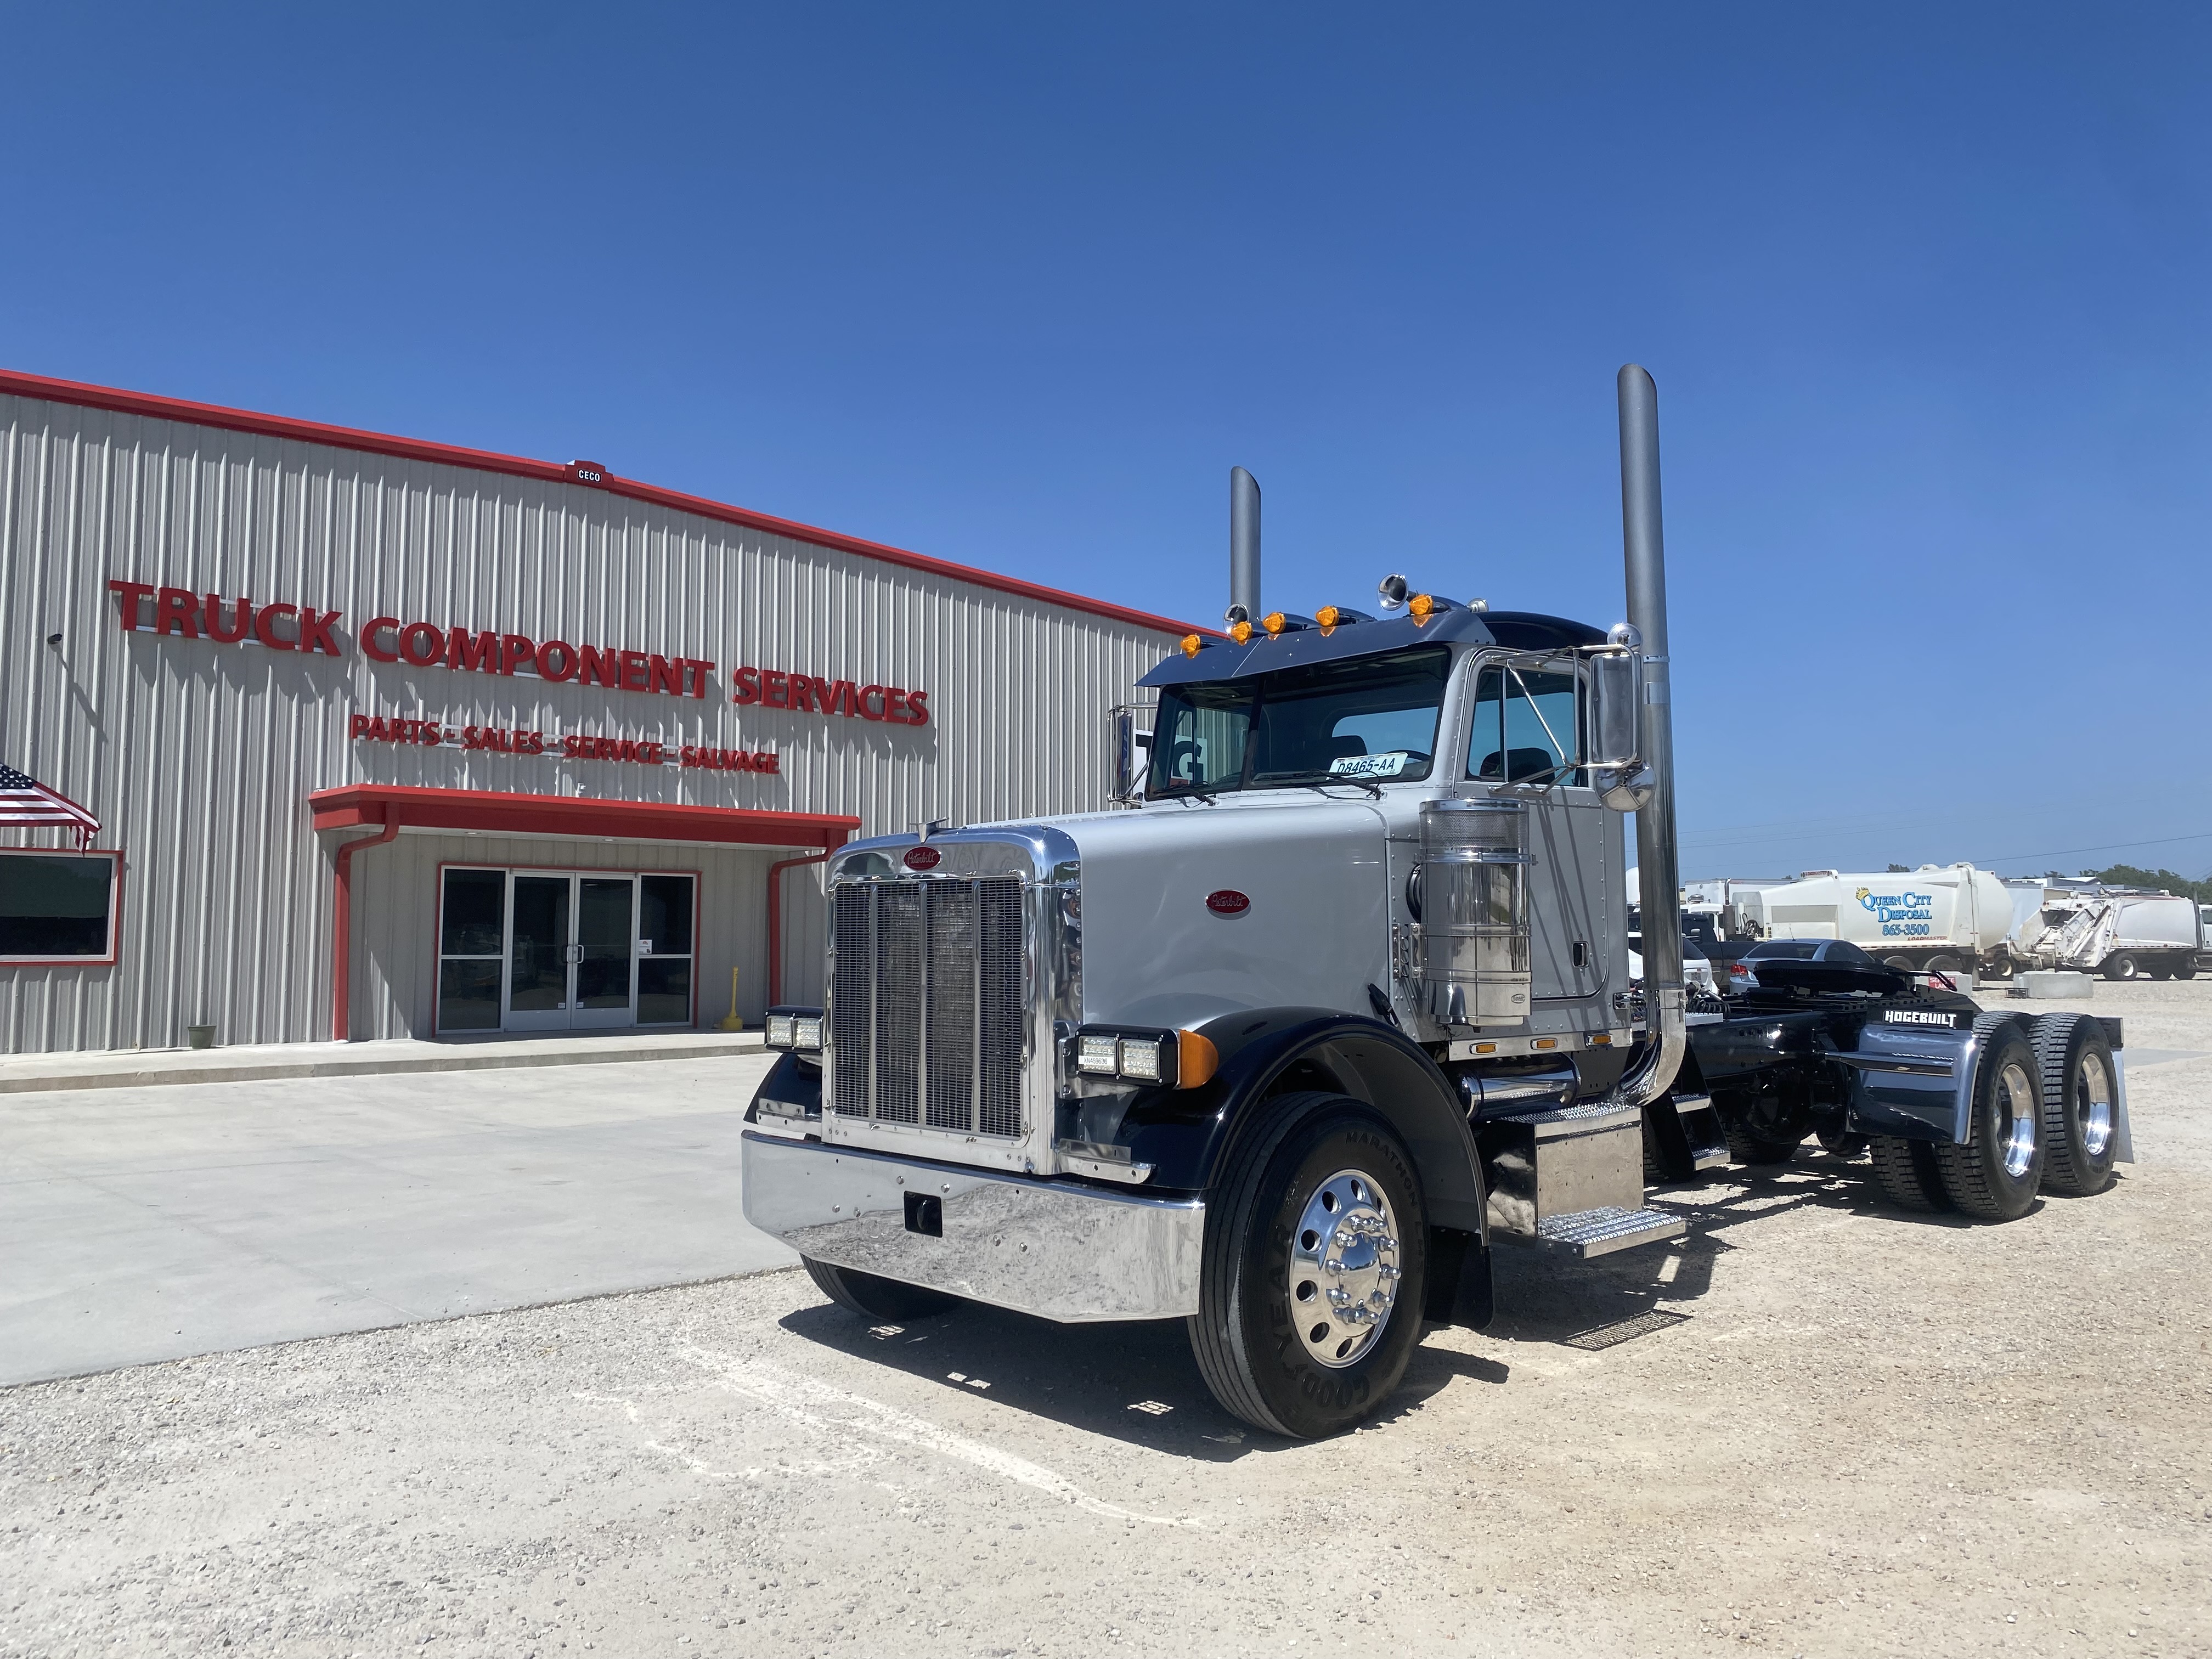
1140,1058
779,1030
1097,1055
806,1033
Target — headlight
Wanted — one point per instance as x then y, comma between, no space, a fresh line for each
779,1030
1097,1055
1140,1058
806,1033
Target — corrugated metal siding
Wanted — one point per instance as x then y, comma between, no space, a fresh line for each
198,756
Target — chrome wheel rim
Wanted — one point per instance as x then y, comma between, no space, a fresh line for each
2016,1116
2093,1105
1344,1269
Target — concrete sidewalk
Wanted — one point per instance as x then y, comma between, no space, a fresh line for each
149,1225
140,1068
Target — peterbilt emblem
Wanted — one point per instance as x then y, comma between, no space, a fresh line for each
922,858
1228,903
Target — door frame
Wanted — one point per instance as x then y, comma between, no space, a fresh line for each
697,875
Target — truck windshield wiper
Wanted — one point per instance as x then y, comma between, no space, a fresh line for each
1318,780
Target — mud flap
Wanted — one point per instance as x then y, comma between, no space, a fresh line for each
1459,1279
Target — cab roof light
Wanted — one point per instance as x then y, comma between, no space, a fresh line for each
1240,631
1334,616
1192,644
1422,606
1284,622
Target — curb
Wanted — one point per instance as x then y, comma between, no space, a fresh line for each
487,1058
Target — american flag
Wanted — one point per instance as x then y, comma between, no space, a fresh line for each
26,804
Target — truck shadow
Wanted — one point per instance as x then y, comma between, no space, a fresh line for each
1133,1382
1138,1383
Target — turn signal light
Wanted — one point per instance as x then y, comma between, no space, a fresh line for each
1190,644
1197,1060
1241,632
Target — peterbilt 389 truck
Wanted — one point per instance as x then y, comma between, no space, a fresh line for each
1338,1002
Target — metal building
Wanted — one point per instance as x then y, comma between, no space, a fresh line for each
390,739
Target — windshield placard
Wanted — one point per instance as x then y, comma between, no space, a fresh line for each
1370,766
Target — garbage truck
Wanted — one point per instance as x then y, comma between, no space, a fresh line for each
1334,1001
2122,932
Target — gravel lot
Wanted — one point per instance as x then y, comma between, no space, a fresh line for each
1819,1428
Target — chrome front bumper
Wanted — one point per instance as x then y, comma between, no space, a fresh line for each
1064,1252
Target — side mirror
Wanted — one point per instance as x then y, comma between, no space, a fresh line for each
1130,756
1616,720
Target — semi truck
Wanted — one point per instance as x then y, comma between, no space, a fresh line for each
1335,1001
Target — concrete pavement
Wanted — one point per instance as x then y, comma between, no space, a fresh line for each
148,1223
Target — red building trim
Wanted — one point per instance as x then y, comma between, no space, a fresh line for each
391,807
418,449
377,804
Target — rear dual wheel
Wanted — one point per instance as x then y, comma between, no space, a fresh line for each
2080,1103
1314,1269
1995,1175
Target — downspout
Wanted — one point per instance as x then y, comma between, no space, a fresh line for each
1644,554
776,917
342,931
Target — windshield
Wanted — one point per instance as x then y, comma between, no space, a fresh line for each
1368,718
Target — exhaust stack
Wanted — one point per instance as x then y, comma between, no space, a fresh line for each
1243,545
1644,554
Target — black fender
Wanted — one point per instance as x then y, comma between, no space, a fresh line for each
1186,1134
795,1081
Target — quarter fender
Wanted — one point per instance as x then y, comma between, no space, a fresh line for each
1187,1133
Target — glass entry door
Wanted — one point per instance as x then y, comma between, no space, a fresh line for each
564,950
571,952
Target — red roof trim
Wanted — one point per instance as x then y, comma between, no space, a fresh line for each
418,449
376,803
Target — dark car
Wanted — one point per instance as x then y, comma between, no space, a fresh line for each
1743,972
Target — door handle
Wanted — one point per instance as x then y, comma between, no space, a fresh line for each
574,953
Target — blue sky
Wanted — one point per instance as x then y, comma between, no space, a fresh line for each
1928,293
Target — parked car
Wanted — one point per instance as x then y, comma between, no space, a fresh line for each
1697,970
1743,972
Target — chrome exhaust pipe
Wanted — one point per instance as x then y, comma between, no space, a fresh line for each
1243,546
1644,550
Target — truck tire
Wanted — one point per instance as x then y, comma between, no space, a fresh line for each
1842,1143
1295,1340
1942,964
2080,1104
1905,1171
1763,1132
1903,964
1994,1176
2184,970
2121,964
874,1298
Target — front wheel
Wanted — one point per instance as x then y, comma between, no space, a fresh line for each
1316,1258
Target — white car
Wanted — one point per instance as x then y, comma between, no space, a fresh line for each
1697,970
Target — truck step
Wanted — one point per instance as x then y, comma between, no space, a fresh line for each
1586,1233
1701,1131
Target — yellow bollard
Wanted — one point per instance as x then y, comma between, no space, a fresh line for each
730,1021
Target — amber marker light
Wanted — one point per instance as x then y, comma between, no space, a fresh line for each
1274,621
1190,644
1421,607
1241,632
1328,616
1196,1059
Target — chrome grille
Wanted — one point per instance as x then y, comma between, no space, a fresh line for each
927,1003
